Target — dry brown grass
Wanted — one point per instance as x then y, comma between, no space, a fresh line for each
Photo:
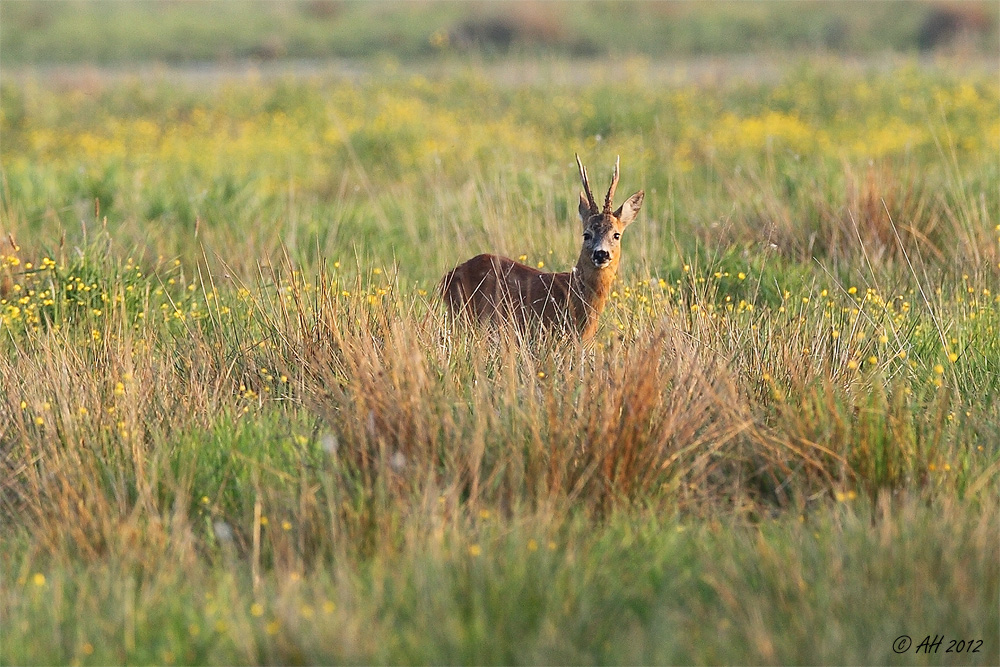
879,213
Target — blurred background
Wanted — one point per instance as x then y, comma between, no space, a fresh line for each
320,126
185,32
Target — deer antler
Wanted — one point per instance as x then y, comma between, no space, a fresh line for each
611,190
586,185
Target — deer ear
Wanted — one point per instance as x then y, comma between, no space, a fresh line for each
585,211
627,211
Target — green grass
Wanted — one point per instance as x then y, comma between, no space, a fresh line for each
800,165
236,426
644,588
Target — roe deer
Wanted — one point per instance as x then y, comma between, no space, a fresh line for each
496,289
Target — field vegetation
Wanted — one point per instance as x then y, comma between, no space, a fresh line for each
110,33
237,427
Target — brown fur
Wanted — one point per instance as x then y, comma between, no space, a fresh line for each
498,290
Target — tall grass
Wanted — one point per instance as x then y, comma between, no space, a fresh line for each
320,456
263,453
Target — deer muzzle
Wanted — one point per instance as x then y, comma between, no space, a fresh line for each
601,258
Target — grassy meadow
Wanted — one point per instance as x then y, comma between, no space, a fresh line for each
236,427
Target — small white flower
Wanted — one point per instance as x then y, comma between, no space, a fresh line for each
329,443
223,531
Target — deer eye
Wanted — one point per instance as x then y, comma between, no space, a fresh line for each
587,236
617,236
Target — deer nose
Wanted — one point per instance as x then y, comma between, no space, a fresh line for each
601,257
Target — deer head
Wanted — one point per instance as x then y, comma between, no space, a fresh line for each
602,228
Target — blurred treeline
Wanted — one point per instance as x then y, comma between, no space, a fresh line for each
103,32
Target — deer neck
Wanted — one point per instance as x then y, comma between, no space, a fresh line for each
591,288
